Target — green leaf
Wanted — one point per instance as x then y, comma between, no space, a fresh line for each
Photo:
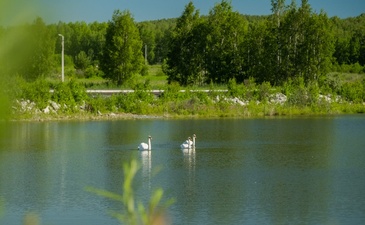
104,193
155,200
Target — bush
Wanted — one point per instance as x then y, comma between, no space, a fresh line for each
63,95
171,93
264,91
82,61
78,91
144,70
232,87
296,92
356,68
93,71
353,92
96,104
288,87
250,89
70,94
313,92
37,92
349,68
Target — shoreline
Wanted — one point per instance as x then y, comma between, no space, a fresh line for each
129,116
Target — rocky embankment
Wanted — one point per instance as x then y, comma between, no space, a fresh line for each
56,110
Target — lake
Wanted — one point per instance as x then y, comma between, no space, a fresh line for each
243,171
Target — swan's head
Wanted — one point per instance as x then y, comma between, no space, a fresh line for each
194,136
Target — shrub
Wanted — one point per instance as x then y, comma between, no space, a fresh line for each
356,68
63,95
92,71
297,93
96,104
250,92
353,92
78,91
264,91
144,70
171,93
37,92
232,87
313,92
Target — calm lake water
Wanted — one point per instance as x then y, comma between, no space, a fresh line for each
243,171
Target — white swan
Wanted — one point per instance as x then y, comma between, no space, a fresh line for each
186,144
144,146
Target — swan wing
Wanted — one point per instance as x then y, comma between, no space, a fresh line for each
143,146
189,142
187,145
184,145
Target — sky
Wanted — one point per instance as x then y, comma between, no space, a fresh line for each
53,11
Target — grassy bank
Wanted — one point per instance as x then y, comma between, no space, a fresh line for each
175,104
338,94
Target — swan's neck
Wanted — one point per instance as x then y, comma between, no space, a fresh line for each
149,143
194,142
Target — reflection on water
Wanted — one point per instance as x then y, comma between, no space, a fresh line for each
262,171
189,158
146,158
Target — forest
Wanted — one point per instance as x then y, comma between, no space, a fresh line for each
292,45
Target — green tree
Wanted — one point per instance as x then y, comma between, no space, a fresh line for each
163,36
82,61
356,47
315,44
225,43
79,38
31,53
122,56
40,60
255,51
148,36
96,41
298,43
184,59
342,53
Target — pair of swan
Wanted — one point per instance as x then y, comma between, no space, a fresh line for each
188,144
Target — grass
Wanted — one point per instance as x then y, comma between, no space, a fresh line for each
155,77
347,77
158,80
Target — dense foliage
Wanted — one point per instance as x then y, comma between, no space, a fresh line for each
293,42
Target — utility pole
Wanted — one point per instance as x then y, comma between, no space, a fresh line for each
63,57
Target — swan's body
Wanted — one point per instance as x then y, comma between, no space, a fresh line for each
144,146
186,144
